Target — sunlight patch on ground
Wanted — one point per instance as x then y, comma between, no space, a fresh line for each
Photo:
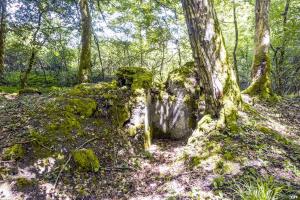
6,191
45,165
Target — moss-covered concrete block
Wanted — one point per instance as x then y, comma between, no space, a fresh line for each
134,77
86,160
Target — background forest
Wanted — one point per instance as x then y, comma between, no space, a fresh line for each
152,34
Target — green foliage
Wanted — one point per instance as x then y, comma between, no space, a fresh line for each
9,89
259,189
86,160
277,136
15,152
29,91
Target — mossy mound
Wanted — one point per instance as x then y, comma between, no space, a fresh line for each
15,152
86,160
66,114
24,183
81,106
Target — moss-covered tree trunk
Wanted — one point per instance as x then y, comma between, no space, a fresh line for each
84,72
3,13
222,94
261,66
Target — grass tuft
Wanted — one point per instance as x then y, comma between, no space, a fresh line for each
259,189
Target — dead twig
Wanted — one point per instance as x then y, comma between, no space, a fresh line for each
61,170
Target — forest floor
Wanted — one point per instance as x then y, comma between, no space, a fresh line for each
162,172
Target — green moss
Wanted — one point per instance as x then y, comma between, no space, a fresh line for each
194,161
147,139
180,75
228,156
132,131
15,152
120,114
277,136
9,89
86,160
134,77
66,115
261,86
23,184
218,182
84,106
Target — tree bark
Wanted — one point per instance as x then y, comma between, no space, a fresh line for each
3,13
222,94
236,42
261,66
84,73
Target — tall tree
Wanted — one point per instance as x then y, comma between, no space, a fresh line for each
222,94
85,64
261,66
3,13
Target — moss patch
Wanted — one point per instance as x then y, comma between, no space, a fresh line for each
23,184
15,152
83,107
86,160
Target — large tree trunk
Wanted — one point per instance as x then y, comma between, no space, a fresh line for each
3,13
261,66
85,57
222,93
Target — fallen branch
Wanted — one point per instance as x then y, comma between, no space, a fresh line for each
61,170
